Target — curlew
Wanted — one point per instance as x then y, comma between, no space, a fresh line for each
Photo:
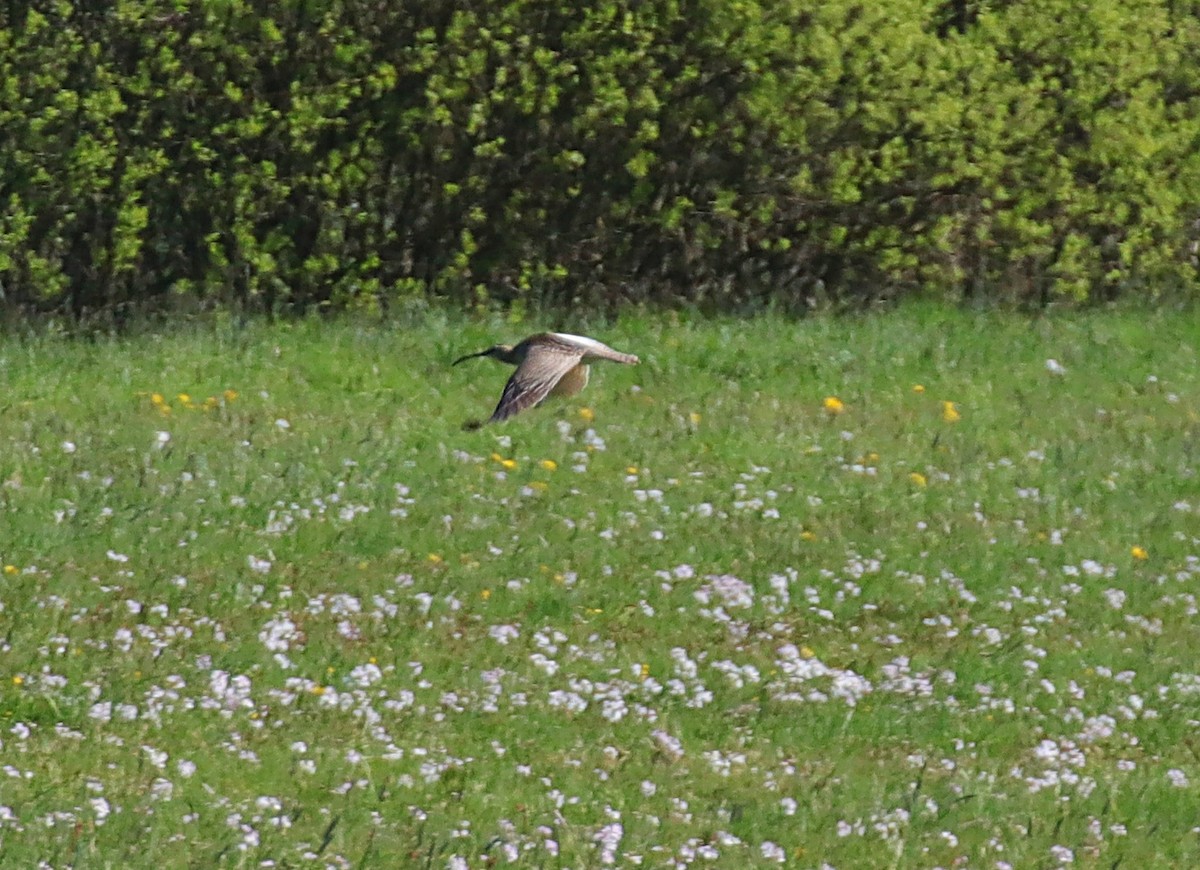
548,364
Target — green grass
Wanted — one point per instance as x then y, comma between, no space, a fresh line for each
728,620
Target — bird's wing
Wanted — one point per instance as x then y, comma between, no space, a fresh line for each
543,367
592,349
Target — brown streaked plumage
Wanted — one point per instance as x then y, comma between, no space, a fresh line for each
548,364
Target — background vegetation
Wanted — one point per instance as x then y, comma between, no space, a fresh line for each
720,152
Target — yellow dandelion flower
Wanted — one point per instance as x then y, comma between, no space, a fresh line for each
18,680
695,418
372,661
1139,553
510,464
950,412
807,652
872,457
435,558
587,414
157,399
11,569
918,388
185,398
645,670
318,690
210,403
230,395
485,594
496,457
548,464
833,405
806,535
632,469
539,485
918,478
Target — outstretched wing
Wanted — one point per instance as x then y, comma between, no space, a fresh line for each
543,367
592,349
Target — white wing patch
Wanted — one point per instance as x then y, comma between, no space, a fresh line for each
581,340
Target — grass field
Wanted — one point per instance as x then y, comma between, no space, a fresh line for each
888,591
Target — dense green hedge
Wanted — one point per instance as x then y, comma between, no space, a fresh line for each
301,152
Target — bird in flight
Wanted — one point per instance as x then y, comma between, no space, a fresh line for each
548,364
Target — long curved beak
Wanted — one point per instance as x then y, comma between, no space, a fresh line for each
470,356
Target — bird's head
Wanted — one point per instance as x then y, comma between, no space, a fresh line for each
497,352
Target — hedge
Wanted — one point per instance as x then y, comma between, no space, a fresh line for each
301,154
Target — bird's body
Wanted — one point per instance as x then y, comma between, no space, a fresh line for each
548,364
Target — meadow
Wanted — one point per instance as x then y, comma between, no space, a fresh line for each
909,589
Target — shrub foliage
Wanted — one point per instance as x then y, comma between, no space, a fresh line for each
721,152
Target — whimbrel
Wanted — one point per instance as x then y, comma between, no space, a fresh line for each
548,364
